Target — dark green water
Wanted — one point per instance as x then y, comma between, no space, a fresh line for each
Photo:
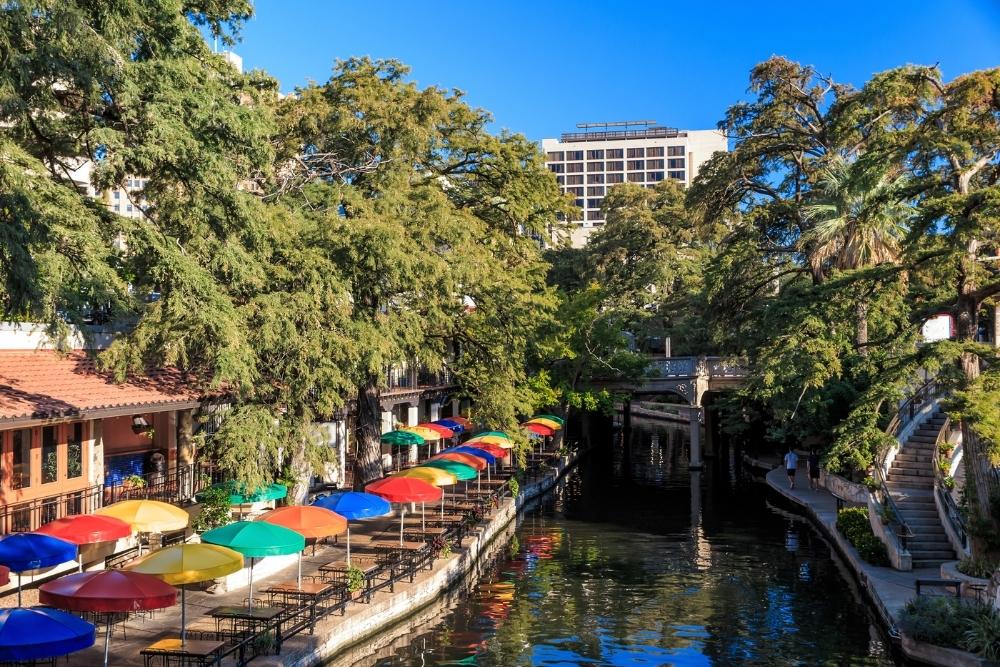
627,563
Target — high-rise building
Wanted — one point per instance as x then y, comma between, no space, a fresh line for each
589,162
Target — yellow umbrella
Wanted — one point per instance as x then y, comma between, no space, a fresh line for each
435,476
551,423
491,440
189,564
148,516
427,434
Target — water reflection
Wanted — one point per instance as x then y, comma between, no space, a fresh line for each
637,561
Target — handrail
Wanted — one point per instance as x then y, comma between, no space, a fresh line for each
951,510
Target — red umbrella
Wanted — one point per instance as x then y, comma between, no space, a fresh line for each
107,591
404,490
495,450
463,421
470,460
4,575
443,430
540,429
86,529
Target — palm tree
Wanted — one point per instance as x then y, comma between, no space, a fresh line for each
860,215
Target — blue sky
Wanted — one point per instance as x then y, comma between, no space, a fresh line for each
541,67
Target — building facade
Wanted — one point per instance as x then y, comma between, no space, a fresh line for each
602,155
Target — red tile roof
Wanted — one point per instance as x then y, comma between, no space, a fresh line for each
45,384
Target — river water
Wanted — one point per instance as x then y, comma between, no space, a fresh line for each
633,560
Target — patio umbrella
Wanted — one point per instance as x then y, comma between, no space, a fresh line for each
404,490
460,470
147,516
477,462
499,434
86,529
107,591
538,429
354,506
256,539
30,551
441,429
428,434
505,443
450,424
431,475
481,450
39,633
184,564
554,425
558,420
467,423
401,438
239,496
309,521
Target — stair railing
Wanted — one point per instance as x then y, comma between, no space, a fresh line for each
954,515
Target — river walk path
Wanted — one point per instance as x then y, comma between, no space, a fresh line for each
889,589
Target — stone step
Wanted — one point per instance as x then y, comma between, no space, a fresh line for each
919,447
920,563
917,467
919,517
913,456
917,438
928,554
912,481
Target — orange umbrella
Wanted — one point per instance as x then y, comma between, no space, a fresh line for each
308,521
467,459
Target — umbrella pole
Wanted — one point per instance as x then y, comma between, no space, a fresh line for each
183,614
300,571
18,589
442,504
250,595
423,517
348,546
107,638
79,561
402,517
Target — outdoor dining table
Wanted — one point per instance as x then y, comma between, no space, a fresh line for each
427,533
310,592
407,554
337,572
191,652
242,618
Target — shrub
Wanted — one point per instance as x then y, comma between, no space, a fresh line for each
853,524
983,634
980,568
215,509
355,579
937,619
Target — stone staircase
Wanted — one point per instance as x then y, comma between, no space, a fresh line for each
911,483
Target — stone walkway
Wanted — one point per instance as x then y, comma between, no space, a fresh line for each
889,588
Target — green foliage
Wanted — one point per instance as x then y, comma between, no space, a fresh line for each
939,620
215,509
514,486
982,635
355,579
980,568
853,524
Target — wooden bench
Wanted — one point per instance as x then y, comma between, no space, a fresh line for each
953,584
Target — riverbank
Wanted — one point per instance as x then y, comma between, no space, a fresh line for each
364,621
887,590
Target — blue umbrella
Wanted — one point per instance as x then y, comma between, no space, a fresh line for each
40,633
353,506
453,425
31,551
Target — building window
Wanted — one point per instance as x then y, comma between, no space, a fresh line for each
575,191
21,441
560,180
118,194
595,190
654,164
595,155
74,452
616,166
676,175
654,176
594,203
616,178
118,208
574,167
595,166
675,164
557,168
50,456
635,165
578,203
635,177
595,178
614,153
574,180
654,151
594,215
675,151
554,156
636,152
574,155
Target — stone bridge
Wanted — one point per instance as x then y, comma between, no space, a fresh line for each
689,379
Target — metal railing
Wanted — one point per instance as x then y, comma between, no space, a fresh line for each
175,486
31,514
952,512
684,367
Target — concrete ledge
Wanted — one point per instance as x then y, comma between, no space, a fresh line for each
949,570
338,633
939,655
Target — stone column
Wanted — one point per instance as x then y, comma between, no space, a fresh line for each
412,419
456,408
97,452
695,462
388,424
435,412
185,453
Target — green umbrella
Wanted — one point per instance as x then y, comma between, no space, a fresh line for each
256,539
499,434
459,470
239,496
402,438
560,420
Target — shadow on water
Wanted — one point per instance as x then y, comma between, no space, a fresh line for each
634,560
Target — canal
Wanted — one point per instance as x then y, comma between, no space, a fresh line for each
628,563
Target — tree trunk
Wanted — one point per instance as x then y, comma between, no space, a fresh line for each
967,323
861,326
302,472
368,432
996,323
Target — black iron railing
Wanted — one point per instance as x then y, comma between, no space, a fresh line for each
176,486
31,514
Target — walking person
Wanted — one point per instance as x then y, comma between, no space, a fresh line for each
813,469
791,465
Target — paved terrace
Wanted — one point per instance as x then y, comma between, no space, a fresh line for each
336,631
889,588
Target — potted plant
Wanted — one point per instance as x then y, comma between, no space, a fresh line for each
355,582
134,482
